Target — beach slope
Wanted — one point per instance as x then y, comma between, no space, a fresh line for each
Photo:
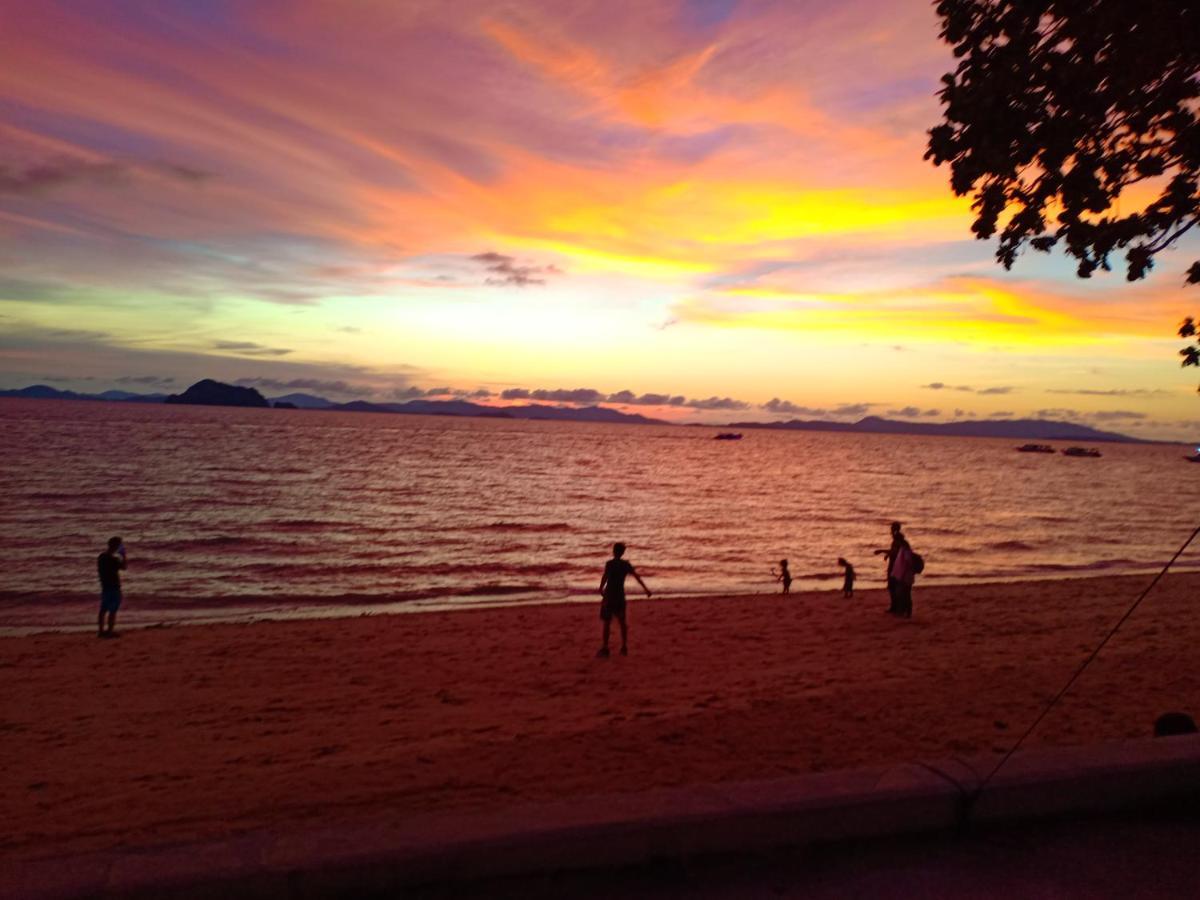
198,732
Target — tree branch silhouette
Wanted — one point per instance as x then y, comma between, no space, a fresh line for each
1056,109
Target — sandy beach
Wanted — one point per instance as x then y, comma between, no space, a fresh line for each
195,732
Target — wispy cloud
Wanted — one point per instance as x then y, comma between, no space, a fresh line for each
779,407
507,271
249,348
146,380
558,395
776,406
718,403
77,334
591,396
966,388
629,398
1114,392
413,392
851,410
1092,415
1001,313
1113,415
914,412
336,387
52,174
942,386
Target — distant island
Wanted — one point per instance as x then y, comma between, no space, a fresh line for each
45,392
477,410
215,393
1023,429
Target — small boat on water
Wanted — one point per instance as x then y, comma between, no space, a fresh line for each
1035,448
728,436
1082,451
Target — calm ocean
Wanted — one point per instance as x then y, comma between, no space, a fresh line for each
248,512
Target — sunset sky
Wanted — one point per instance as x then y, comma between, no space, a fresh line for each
701,210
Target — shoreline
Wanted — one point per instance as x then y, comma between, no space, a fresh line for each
235,610
218,731
892,427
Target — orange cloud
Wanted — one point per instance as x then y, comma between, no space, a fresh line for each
766,166
976,310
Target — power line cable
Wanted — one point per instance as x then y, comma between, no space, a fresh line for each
1070,681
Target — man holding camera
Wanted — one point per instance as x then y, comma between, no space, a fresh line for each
109,565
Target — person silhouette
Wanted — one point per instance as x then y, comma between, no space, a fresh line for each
889,557
109,565
784,576
848,584
612,593
903,573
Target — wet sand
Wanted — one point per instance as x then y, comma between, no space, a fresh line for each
195,732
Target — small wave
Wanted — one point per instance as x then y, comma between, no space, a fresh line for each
219,502
298,570
43,599
219,541
321,526
1010,545
298,524
376,554
525,526
1100,565
942,531
496,590
153,563
822,576
393,570
66,495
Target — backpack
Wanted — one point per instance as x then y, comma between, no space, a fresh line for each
918,563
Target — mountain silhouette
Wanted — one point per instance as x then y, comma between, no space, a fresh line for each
1025,429
209,392
303,401
216,393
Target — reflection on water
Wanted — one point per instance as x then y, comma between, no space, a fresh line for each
228,507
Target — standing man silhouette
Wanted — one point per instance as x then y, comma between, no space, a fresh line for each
889,559
109,565
612,592
903,573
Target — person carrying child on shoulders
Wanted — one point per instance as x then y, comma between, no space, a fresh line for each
906,565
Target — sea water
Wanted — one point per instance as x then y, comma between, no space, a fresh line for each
300,512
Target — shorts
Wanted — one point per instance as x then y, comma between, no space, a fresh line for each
612,606
110,599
